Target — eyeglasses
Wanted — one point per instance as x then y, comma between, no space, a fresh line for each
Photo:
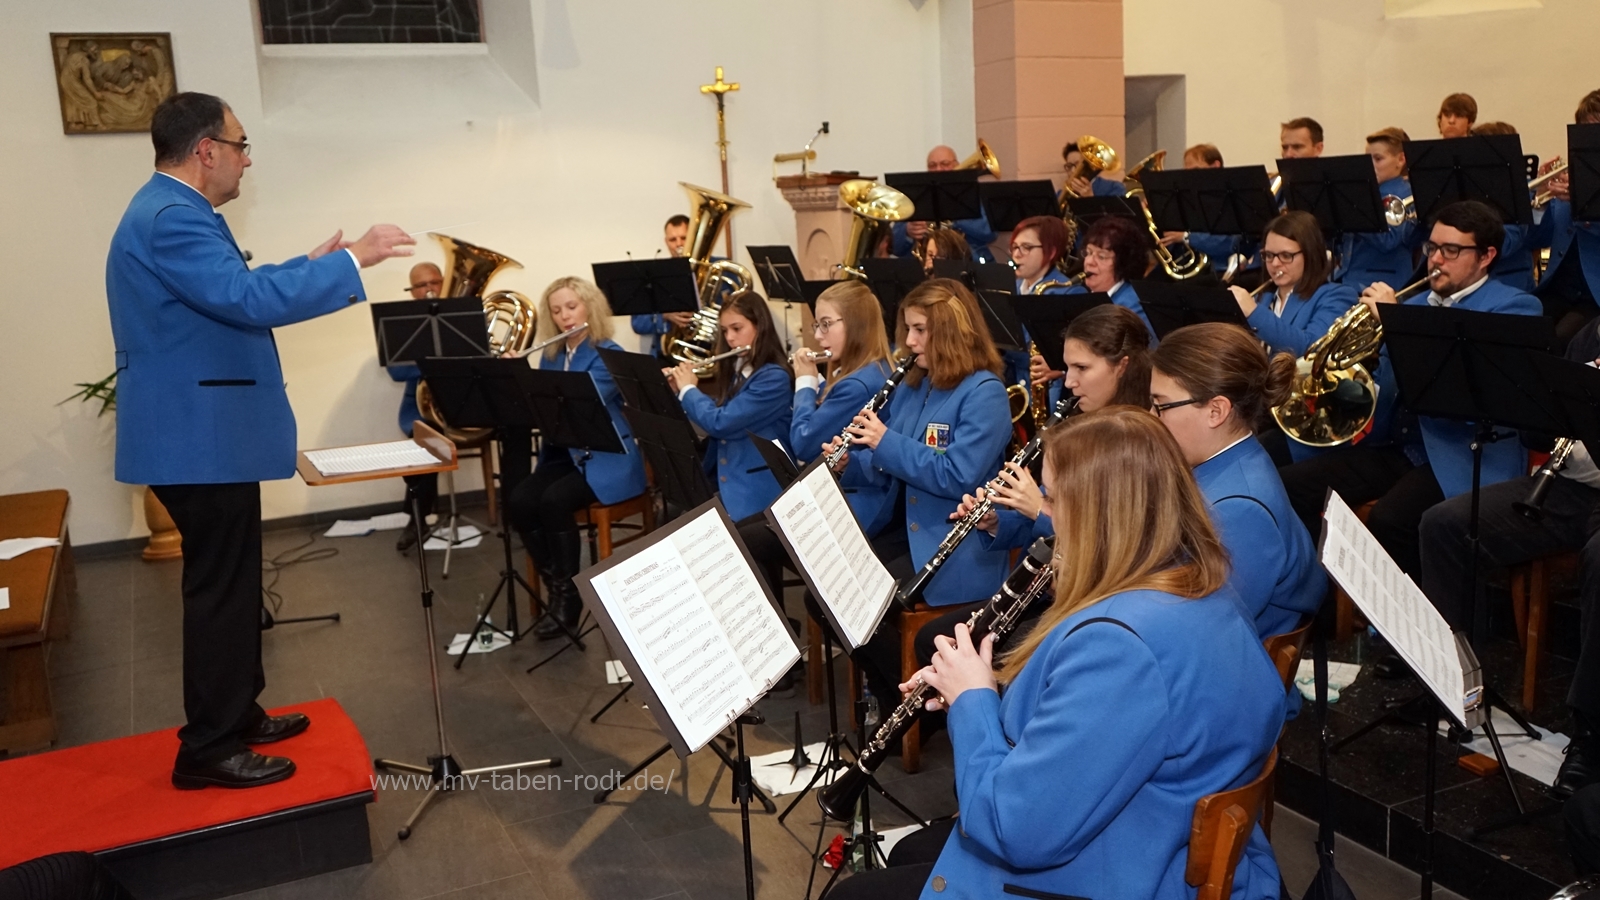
1099,254
1447,251
1287,256
1159,408
822,325
1025,248
432,282
241,146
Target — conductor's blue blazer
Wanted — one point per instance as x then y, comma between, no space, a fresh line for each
817,423
759,405
973,421
614,477
1081,779
200,392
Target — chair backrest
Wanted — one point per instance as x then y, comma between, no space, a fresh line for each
1284,650
1220,831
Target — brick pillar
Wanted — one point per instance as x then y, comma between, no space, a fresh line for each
1046,72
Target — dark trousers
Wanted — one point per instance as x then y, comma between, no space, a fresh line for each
1582,814
61,876
1505,537
910,865
879,657
426,490
549,500
1362,474
222,676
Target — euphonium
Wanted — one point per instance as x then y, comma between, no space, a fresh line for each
872,405
1097,157
874,209
1187,262
1029,581
982,158
693,342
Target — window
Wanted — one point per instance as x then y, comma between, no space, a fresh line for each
370,21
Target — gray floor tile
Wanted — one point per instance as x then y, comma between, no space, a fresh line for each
590,853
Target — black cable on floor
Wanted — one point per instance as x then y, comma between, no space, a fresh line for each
272,569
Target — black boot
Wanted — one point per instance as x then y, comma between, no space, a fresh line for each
1581,765
539,551
565,606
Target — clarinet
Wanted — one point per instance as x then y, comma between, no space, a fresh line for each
912,590
1026,583
873,405
1533,507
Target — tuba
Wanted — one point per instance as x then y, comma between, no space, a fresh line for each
695,342
1097,157
1186,262
982,158
874,208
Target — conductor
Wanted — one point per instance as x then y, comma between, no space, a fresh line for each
202,415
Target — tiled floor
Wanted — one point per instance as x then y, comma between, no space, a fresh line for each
119,674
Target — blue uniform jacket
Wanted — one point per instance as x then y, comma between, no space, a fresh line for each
1563,234
1081,780
978,232
1122,294
1274,567
1514,266
1379,256
1107,187
614,477
200,392
817,423
940,445
411,376
1304,319
1219,248
761,405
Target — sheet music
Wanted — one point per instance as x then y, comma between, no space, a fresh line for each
704,636
370,458
1393,604
846,575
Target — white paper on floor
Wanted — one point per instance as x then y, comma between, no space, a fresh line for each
467,537
390,521
616,673
359,527
1340,675
773,774
495,642
11,548
1539,760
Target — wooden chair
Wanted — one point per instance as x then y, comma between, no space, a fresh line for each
1285,649
1344,608
42,586
1221,829
911,621
1530,601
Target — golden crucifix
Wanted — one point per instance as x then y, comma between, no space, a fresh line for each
720,89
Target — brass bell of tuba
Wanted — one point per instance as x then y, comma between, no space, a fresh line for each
982,158
1097,157
695,342
874,208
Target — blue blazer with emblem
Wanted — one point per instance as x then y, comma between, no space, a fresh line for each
1563,235
1122,294
815,423
760,405
200,392
976,425
614,477
1081,780
1273,566
1379,256
1304,319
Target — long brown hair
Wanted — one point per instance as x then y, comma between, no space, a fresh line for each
866,341
766,348
1128,517
1216,359
1115,333
1301,227
958,338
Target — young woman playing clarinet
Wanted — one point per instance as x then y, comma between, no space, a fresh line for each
1140,690
543,506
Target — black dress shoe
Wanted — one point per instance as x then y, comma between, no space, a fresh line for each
276,728
244,769
1580,767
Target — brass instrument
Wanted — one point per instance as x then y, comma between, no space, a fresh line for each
874,208
909,592
1334,397
1047,287
1097,157
982,158
1187,262
1533,507
1018,400
1039,398
576,329
1398,210
1543,198
1030,580
693,342
872,405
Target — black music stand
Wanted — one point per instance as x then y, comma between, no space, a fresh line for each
779,463
1341,192
939,196
1488,168
1583,166
648,286
1170,305
781,277
409,330
1089,210
1236,200
1048,316
891,279
1006,203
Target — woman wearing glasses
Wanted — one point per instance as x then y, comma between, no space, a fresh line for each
1037,245
1302,302
1115,251
1210,384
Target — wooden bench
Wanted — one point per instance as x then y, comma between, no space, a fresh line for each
41,582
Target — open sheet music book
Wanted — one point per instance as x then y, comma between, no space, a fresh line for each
1400,611
831,552
370,457
694,624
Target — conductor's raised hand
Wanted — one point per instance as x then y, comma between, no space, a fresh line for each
337,242
958,667
381,242
866,429
989,522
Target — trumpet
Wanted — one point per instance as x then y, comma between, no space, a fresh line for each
1030,451
554,340
1542,198
873,405
1533,507
1398,210
1030,580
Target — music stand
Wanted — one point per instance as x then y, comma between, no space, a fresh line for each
1341,192
1236,200
1583,165
939,196
1488,168
781,277
1048,316
891,279
639,379
409,330
1089,210
648,286
1170,305
778,461
1006,203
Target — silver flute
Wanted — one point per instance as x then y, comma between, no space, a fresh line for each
813,355
576,329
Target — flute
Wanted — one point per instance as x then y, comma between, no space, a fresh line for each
873,405
813,355
737,351
557,339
